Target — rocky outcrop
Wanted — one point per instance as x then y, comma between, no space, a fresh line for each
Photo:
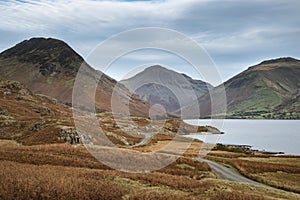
43,110
69,134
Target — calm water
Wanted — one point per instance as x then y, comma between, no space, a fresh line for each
268,135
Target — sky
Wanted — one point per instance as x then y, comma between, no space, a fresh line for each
235,34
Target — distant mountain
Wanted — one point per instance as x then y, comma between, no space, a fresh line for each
168,88
270,89
49,66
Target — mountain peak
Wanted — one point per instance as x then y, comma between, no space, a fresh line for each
156,68
280,60
166,87
49,54
36,44
276,63
161,69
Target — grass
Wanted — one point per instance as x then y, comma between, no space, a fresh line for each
230,167
61,171
27,181
278,171
69,83
185,166
275,160
280,179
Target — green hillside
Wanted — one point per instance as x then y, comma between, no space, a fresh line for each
270,89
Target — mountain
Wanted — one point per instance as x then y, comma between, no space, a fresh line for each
49,66
270,89
168,88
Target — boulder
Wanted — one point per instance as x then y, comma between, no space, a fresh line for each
69,134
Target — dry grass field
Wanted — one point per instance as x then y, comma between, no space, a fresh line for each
63,171
278,171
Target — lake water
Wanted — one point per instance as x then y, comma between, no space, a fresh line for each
268,135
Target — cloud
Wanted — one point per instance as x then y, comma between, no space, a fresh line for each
233,32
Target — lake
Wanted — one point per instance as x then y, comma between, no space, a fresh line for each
268,135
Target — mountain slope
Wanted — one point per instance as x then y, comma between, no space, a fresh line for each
172,90
49,66
269,89
30,118
271,86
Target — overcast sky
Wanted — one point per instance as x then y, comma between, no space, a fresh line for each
236,34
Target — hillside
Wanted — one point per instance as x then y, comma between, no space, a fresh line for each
29,118
49,66
268,90
172,90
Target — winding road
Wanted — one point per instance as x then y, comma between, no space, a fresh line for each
147,137
220,170
227,173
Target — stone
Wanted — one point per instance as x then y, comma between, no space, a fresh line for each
24,91
43,111
69,134
36,127
19,98
7,93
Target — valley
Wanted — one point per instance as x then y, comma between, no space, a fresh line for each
39,136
